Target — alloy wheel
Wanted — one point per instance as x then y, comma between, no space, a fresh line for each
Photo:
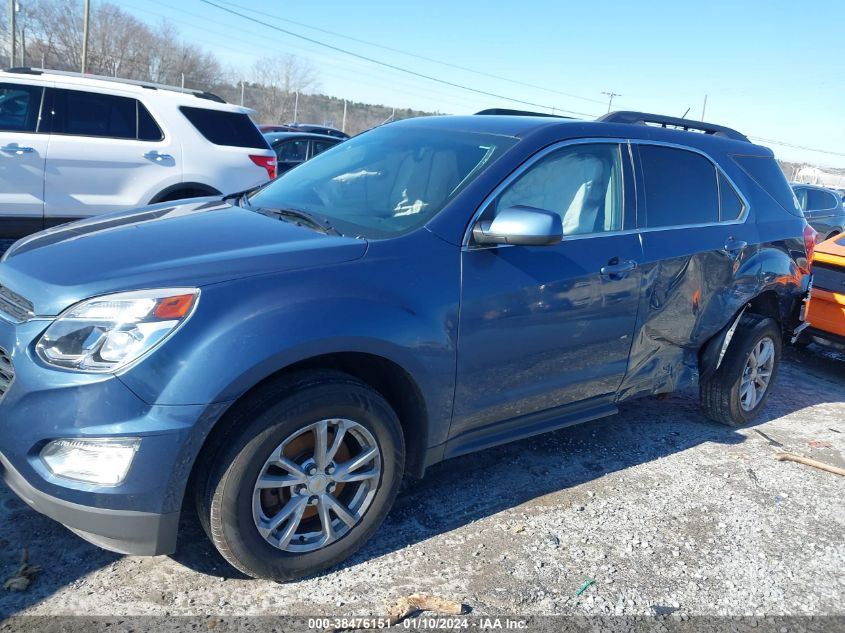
316,485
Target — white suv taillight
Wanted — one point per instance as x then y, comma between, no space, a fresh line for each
267,162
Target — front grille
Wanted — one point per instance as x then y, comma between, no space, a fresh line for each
7,373
829,277
14,305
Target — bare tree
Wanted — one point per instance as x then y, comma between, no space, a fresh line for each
277,80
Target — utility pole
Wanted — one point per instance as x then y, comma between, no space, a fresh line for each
704,107
295,106
13,7
343,125
610,95
86,22
242,92
183,81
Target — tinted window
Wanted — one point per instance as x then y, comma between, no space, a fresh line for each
387,181
321,146
19,107
582,183
766,173
818,200
680,187
92,114
148,129
730,204
291,151
225,128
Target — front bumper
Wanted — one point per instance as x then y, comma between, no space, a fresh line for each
139,516
122,531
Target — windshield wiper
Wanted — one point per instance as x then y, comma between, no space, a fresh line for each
300,217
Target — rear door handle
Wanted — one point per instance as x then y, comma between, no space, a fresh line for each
157,156
17,149
618,270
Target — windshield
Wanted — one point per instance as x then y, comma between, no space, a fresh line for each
384,182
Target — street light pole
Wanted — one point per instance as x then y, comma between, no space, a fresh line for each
86,21
12,31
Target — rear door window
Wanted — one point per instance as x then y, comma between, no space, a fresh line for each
680,187
801,195
233,129
318,147
82,113
19,107
818,200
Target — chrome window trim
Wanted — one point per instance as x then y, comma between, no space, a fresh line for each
746,207
530,162
741,219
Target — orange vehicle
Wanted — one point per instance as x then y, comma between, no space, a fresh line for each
826,310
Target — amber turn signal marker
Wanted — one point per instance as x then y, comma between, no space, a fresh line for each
174,307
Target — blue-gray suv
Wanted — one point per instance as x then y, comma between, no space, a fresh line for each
429,288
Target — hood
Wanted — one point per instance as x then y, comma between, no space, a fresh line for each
190,243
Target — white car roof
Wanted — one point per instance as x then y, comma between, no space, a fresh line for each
146,89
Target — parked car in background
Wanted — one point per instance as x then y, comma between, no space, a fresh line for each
73,146
823,209
304,127
266,129
322,129
424,290
826,310
294,148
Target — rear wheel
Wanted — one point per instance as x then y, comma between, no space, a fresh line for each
306,481
736,393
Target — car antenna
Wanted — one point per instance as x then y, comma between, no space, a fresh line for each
684,115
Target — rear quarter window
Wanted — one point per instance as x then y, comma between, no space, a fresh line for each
233,129
765,172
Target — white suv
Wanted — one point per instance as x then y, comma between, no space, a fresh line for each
73,146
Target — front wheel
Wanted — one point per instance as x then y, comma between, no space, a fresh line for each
736,393
308,479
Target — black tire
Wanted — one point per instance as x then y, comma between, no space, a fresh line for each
720,392
226,478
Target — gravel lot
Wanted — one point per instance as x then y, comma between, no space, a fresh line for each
666,511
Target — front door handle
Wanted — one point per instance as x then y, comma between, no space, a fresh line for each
17,149
618,270
157,156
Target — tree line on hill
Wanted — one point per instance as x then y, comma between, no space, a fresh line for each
279,88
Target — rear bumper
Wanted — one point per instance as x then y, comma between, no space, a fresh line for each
122,531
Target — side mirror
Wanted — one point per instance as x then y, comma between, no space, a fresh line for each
520,225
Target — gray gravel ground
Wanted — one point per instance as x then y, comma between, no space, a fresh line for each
667,512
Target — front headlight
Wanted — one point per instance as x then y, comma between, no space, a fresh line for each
106,333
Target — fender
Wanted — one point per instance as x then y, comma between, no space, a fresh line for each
198,187
246,330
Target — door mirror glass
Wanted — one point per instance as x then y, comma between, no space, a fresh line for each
520,225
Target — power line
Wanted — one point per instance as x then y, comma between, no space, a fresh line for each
392,66
794,146
415,55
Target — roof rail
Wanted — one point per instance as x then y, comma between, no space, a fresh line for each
644,118
507,112
134,82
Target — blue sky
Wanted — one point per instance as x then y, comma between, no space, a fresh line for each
773,70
